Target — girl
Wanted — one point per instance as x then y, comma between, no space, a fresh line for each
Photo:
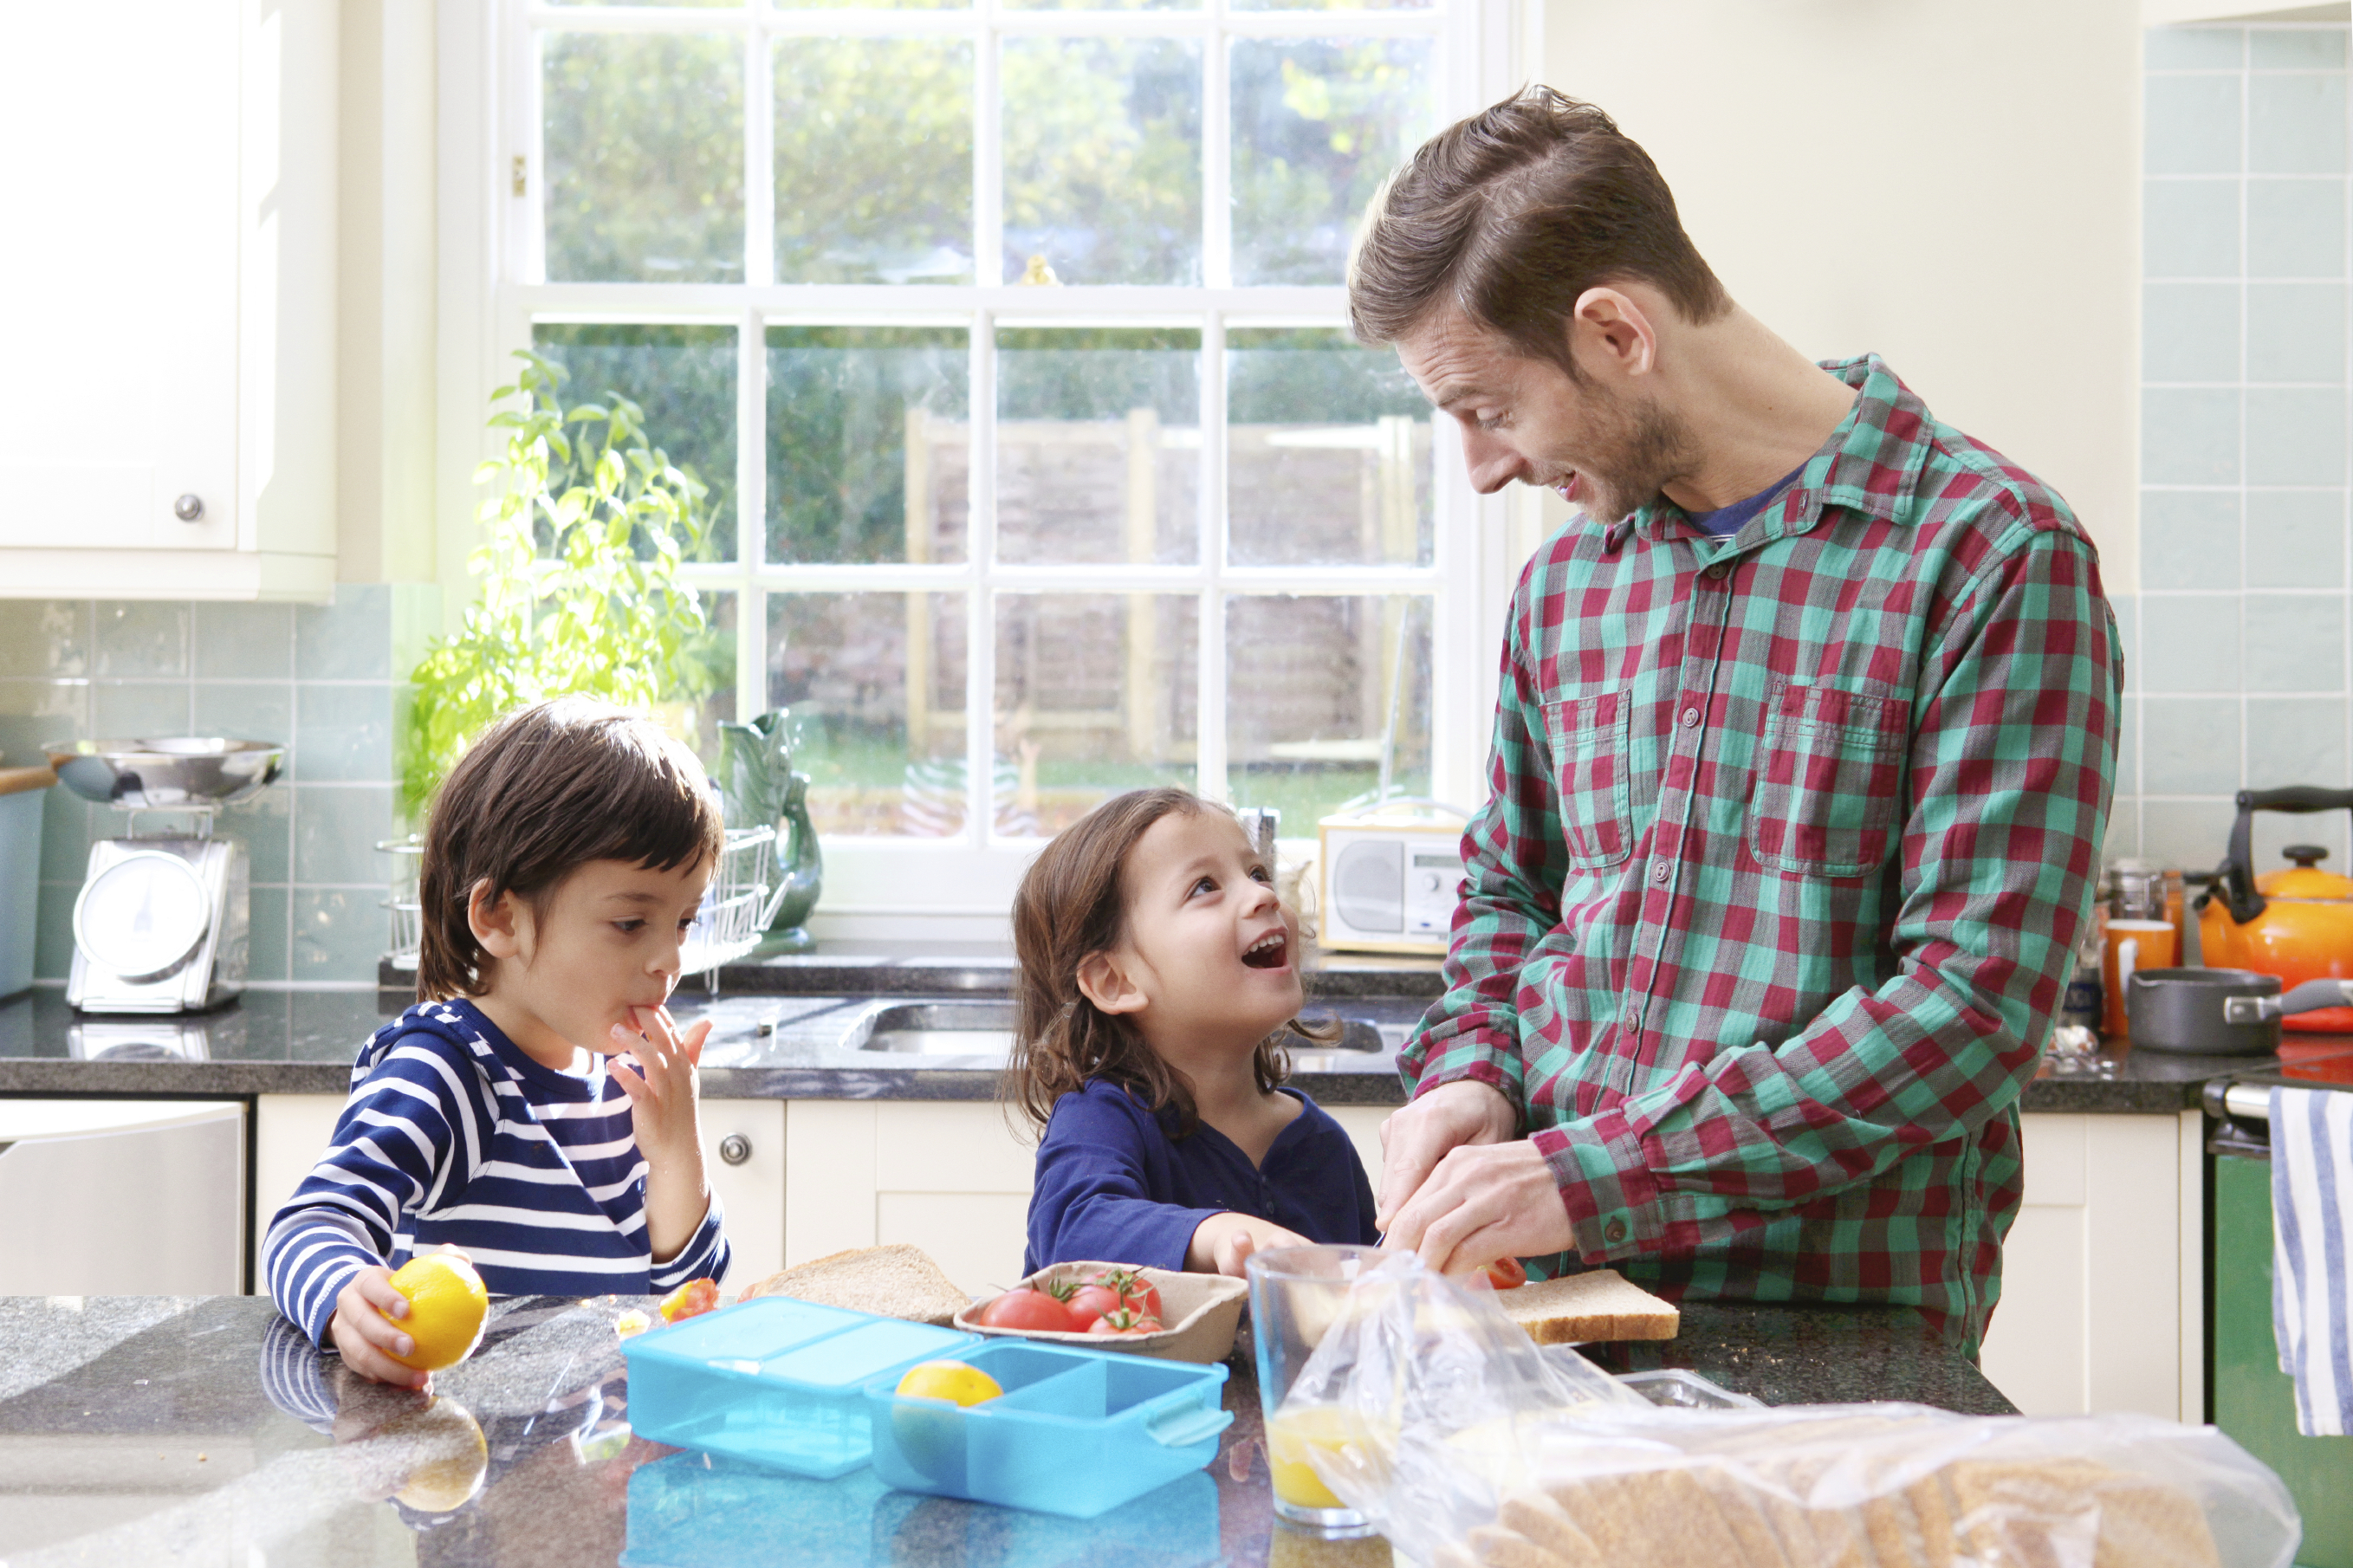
1157,969
567,857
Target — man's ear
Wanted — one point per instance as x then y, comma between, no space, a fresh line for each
1611,331
502,924
1105,981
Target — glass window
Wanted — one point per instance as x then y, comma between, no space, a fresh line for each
1327,700
644,137
1098,445
869,444
683,378
873,156
876,686
1095,694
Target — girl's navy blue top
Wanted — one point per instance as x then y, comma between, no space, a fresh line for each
1115,1186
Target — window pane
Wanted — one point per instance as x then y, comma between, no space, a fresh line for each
1327,452
707,701
875,160
1098,445
1102,158
1316,689
876,684
1096,693
869,452
1330,5
1318,125
645,158
684,379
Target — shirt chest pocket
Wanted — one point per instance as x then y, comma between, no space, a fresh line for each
1588,739
1828,783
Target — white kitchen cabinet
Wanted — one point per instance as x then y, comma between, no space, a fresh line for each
171,276
2102,1300
949,1176
122,1197
291,1131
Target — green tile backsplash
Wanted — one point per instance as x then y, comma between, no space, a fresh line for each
2237,643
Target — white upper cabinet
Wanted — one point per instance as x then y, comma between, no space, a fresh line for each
167,369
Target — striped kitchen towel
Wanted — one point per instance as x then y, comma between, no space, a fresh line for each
2312,1253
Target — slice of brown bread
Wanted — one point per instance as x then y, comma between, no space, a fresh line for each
894,1282
1595,1305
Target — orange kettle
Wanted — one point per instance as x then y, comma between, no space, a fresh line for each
2296,922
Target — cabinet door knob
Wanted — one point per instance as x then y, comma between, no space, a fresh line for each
735,1148
188,507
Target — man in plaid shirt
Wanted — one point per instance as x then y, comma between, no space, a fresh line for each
1801,768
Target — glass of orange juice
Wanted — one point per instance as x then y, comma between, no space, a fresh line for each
1296,1292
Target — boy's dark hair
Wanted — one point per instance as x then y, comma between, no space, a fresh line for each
546,789
1513,214
1073,903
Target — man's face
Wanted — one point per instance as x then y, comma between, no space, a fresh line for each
1605,451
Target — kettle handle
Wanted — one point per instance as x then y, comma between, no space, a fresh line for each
2235,878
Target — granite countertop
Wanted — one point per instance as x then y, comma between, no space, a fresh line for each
780,1027
202,1430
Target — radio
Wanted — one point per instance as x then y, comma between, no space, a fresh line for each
1389,883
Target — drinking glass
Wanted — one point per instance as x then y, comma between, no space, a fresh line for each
1296,1293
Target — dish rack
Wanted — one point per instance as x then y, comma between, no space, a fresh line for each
736,907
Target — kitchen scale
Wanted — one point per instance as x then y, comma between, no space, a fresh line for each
162,924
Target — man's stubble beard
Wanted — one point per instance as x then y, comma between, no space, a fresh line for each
1640,447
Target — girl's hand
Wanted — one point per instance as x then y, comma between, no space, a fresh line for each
1223,1243
363,1332
661,1081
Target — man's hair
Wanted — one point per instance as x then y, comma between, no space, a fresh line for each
548,789
1514,213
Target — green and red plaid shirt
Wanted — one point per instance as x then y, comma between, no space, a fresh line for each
1789,840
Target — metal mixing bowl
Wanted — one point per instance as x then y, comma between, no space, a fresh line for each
180,772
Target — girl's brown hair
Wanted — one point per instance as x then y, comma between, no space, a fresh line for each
548,789
1073,903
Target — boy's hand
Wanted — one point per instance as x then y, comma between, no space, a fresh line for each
661,1081
1223,1243
365,1333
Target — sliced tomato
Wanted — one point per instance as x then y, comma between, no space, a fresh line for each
1137,1293
1507,1274
1089,1302
690,1299
1123,1324
1028,1309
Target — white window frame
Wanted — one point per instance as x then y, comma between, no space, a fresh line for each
491,298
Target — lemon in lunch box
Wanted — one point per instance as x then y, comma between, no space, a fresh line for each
951,1380
932,1439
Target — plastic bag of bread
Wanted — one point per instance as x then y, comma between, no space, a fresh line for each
1470,1449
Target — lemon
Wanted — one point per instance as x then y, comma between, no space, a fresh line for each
442,1458
949,1380
448,1304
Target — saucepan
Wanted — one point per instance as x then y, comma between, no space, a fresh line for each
2219,1012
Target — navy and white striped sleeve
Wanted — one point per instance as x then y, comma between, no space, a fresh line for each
410,1128
705,1256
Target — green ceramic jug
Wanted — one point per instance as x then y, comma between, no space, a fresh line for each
761,790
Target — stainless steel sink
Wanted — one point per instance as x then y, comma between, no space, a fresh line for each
973,1028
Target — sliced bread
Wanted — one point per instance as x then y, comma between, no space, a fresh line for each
1595,1305
894,1282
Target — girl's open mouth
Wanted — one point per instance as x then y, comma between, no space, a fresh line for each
1267,952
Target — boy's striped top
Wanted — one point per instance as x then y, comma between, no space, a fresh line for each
453,1135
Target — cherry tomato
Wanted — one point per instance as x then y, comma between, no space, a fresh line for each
1123,1324
1506,1274
1092,1302
1027,1308
690,1299
1137,1293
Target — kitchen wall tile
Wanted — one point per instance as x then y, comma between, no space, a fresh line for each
336,828
141,637
2126,608
2126,779
2296,740
2189,745
2295,538
2190,331
271,937
2294,437
65,836
2189,436
2297,48
2192,125
2124,831
245,710
338,934
2296,228
34,713
2273,832
349,639
2193,48
46,637
2189,834
2295,124
2189,538
2296,332
139,709
2190,642
244,642
342,733
266,823
53,943
2295,642
2190,228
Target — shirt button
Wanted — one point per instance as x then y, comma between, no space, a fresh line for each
1660,871
1615,1232
1719,571
1690,717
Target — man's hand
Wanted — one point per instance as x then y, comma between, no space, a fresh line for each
1482,1203
1223,1243
363,1332
1416,1138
